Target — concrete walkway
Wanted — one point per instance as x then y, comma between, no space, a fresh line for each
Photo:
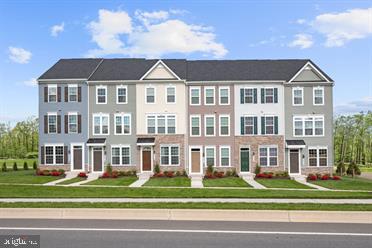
91,177
250,180
303,180
142,179
195,200
196,181
69,175
366,175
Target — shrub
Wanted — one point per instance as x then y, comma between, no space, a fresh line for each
220,174
61,171
157,168
34,165
178,173
3,168
210,169
15,167
260,175
184,173
82,174
55,173
312,177
325,177
25,166
336,178
353,169
228,173
109,169
269,175
285,174
45,173
257,170
122,173
133,173
105,175
114,174
39,172
209,175
341,169
169,174
32,155
318,175
160,174
233,172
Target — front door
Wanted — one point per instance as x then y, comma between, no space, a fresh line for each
294,161
195,160
97,159
244,159
146,159
78,158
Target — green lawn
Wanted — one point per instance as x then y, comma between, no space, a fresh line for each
192,205
72,180
24,176
346,183
35,191
365,169
10,162
120,181
167,182
225,182
282,183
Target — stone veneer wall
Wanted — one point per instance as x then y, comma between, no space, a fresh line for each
253,142
65,167
315,170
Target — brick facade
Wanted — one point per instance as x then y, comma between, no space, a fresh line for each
315,170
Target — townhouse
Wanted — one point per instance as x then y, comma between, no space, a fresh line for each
179,114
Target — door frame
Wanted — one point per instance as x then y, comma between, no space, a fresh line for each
92,157
249,161
152,158
82,156
299,161
201,160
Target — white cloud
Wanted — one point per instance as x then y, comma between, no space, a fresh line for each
31,82
56,29
300,21
19,55
302,41
155,36
365,105
342,27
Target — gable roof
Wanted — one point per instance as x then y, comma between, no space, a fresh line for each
190,70
71,69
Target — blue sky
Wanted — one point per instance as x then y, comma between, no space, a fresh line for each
337,35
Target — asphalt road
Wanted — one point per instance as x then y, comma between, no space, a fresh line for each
173,234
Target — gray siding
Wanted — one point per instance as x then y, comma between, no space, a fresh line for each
62,108
309,108
112,108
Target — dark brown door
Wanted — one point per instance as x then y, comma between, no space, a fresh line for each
294,161
146,160
78,158
195,160
97,159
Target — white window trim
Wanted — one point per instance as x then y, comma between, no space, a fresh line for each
214,95
264,100
190,99
250,88
317,148
228,95
68,122
302,117
53,86
267,147
199,117
323,100
101,115
54,153
68,93
101,87
56,115
253,134
205,125
219,125
117,94
166,123
121,155
175,94
214,155
170,155
146,88
302,96
122,115
273,116
222,147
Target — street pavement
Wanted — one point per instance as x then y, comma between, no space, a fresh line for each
164,234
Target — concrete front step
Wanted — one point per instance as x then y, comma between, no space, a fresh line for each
196,181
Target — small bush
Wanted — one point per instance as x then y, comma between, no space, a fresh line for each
257,170
133,173
353,169
34,165
109,169
61,171
114,174
209,175
45,173
15,167
341,169
210,169
318,175
325,177
178,173
105,175
233,172
157,168
25,166
312,177
82,174
122,173
220,174
3,168
31,155
55,173
184,173
336,178
228,173
169,174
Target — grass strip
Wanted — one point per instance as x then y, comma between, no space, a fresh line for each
72,180
282,183
225,182
120,181
347,183
164,182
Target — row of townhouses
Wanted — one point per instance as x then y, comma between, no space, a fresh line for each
185,115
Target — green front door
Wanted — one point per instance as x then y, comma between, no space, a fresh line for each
244,159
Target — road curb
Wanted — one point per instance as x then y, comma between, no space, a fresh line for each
188,214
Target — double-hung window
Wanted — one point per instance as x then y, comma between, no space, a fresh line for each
194,95
101,94
317,156
268,156
209,124
210,156
209,95
308,125
101,124
169,155
72,123
297,96
161,124
121,94
120,155
224,155
52,93
171,124
195,125
150,94
318,93
269,95
151,124
54,154
171,94
72,93
123,124
248,125
224,125
224,93
249,95
269,125
52,123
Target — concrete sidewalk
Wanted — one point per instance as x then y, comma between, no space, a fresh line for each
188,214
195,200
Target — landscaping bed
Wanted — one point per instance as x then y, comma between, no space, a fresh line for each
26,177
346,183
225,182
